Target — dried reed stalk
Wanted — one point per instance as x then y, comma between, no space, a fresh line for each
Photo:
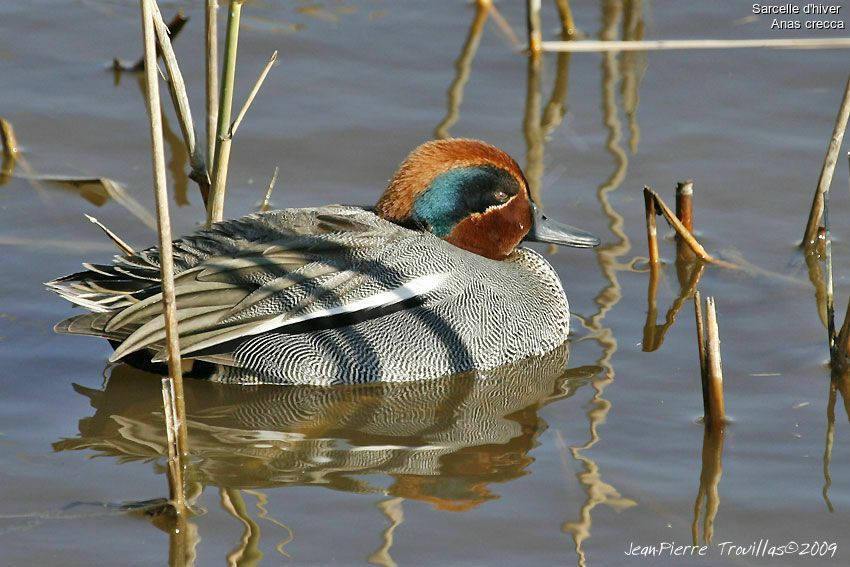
828,168
840,352
123,246
535,37
660,45
211,28
9,147
717,411
684,233
235,126
215,206
651,227
180,99
685,203
265,204
164,232
8,140
830,300
685,213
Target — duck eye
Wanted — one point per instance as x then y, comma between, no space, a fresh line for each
501,196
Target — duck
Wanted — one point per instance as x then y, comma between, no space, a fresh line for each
432,281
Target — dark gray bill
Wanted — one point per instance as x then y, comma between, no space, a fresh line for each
554,232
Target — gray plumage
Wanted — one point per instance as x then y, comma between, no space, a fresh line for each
326,295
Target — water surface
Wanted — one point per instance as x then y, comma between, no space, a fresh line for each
541,466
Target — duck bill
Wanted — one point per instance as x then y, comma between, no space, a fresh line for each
546,230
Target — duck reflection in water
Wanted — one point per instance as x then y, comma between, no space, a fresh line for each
442,441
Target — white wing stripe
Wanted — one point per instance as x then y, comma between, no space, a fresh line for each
414,288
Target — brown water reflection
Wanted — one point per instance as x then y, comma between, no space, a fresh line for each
445,442
473,431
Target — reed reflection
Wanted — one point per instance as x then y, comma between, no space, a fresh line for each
462,66
839,384
709,481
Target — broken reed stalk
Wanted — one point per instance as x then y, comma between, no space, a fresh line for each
252,95
211,27
177,90
215,211
123,246
830,303
651,227
9,149
665,44
164,232
828,168
684,233
840,353
535,37
713,375
8,140
265,205
215,206
685,203
685,213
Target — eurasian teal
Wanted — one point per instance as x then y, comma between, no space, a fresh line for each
430,282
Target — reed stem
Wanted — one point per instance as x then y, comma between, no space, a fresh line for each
180,99
123,246
535,37
265,205
215,207
164,233
211,28
686,235
717,411
667,44
828,168
830,300
235,126
215,212
685,213
7,140
9,148
651,226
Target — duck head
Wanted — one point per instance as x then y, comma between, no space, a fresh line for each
474,196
